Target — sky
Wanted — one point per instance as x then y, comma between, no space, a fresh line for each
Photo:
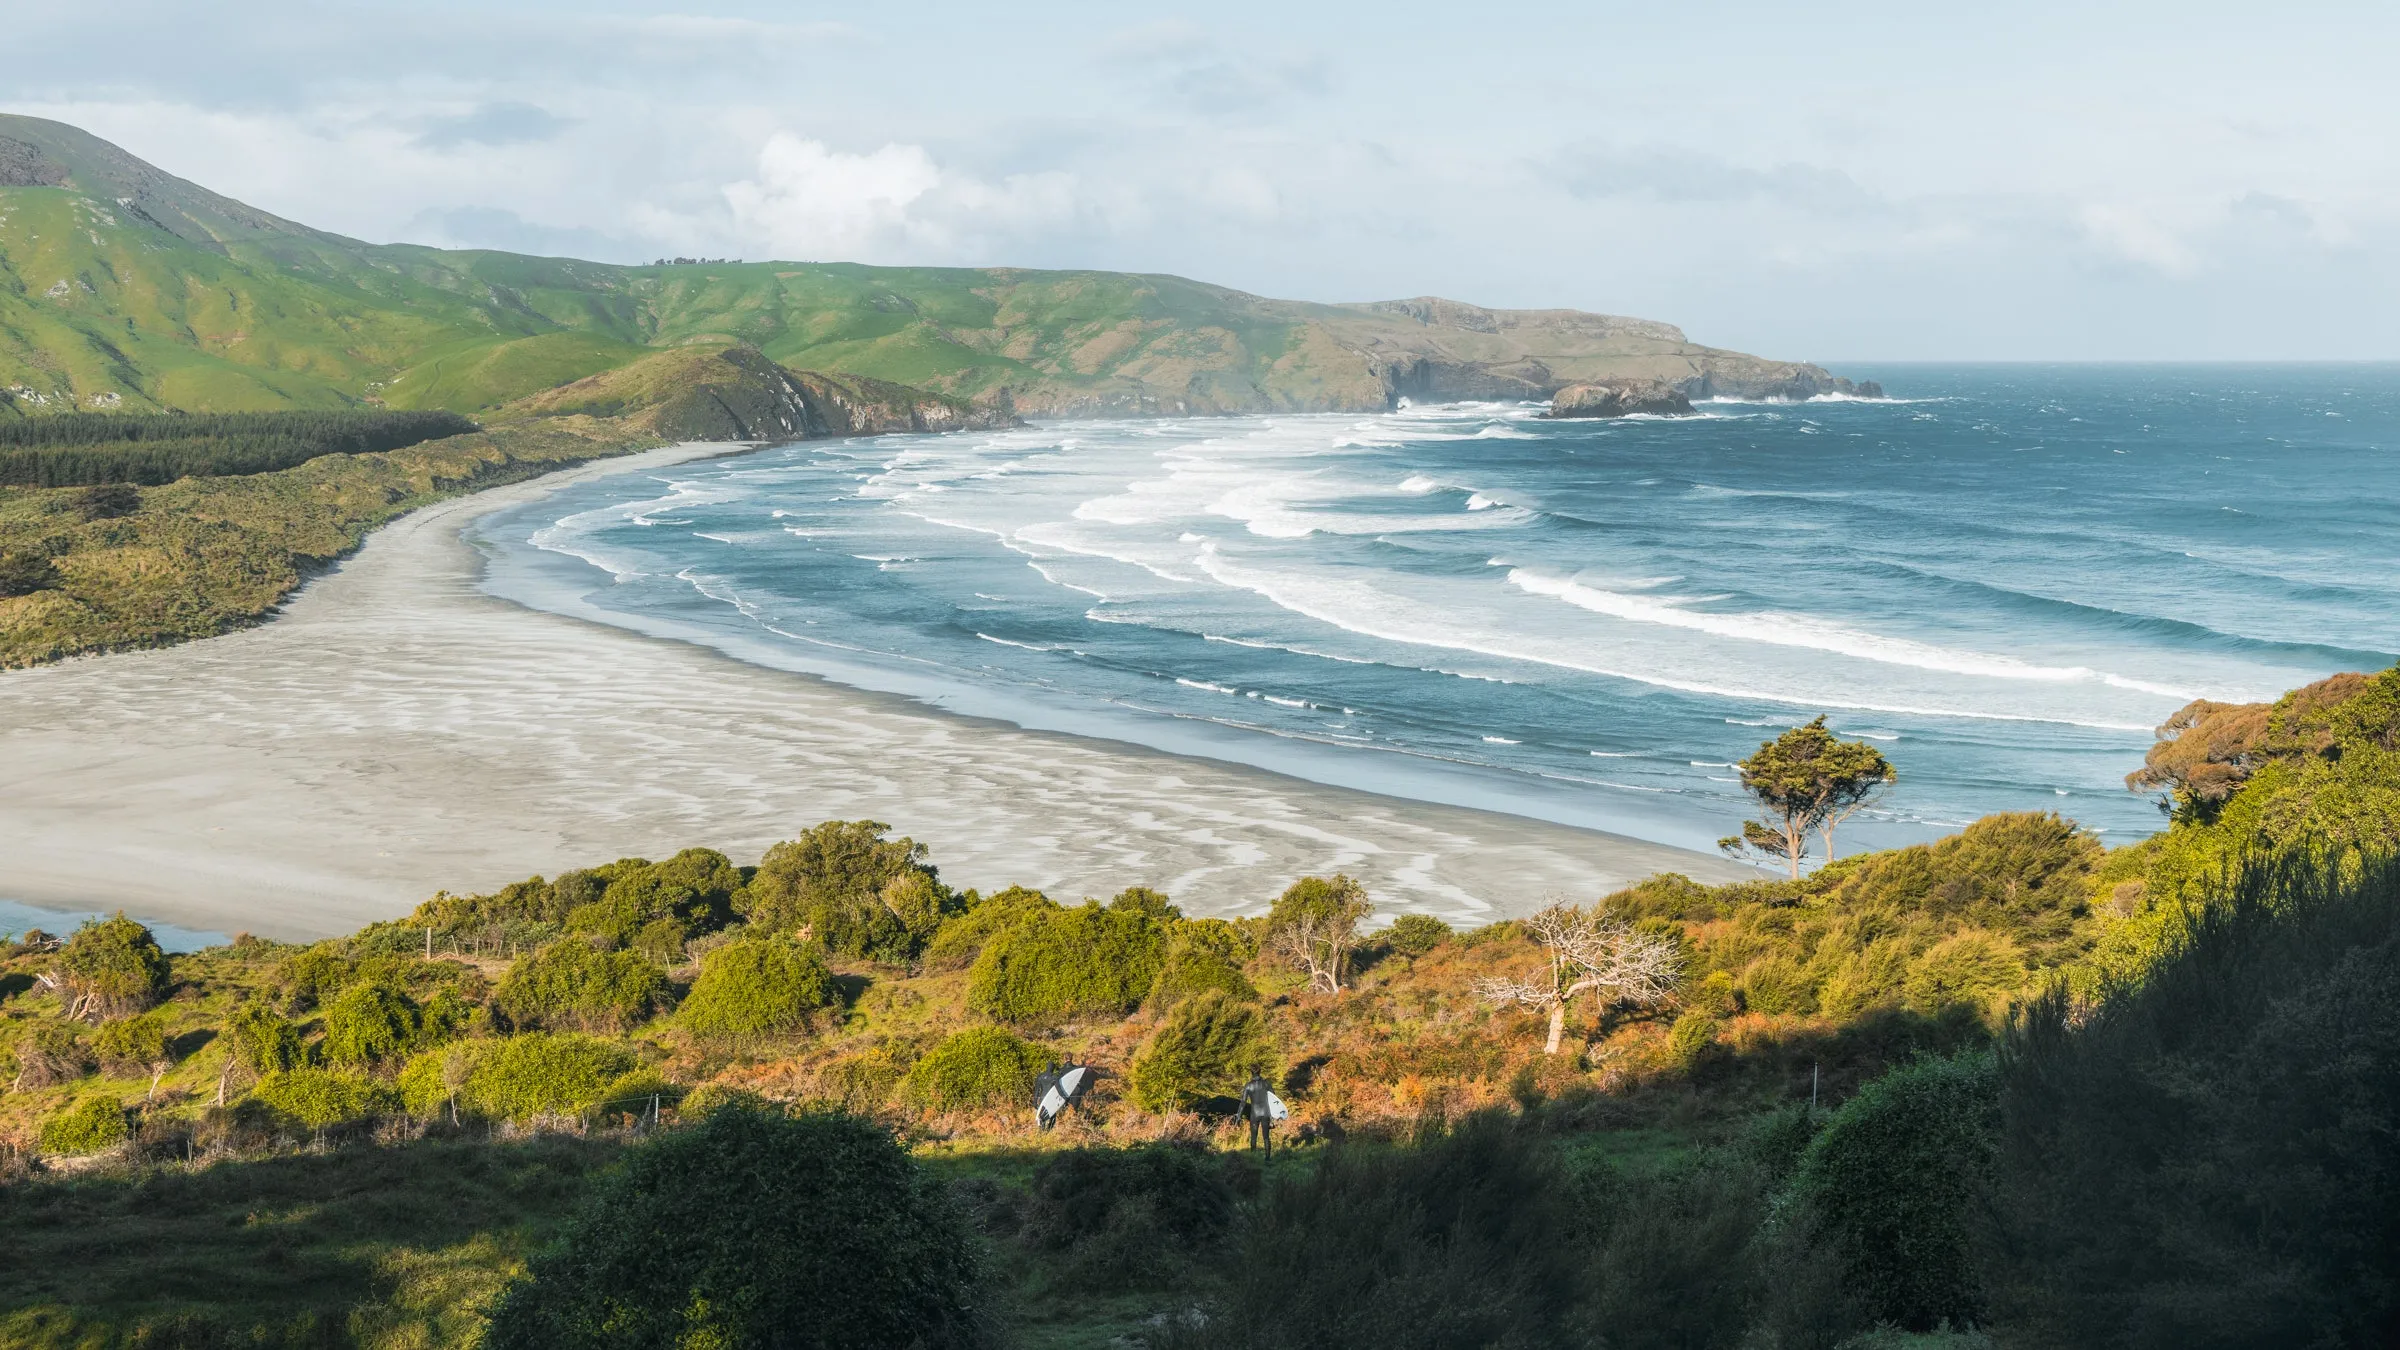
2192,181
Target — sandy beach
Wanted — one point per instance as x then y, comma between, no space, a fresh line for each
396,731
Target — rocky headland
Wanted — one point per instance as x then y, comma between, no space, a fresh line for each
1621,398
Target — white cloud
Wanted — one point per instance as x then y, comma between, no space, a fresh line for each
808,201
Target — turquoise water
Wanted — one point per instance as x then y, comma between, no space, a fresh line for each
2002,575
17,918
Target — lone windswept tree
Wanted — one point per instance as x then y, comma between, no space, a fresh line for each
1314,926
1808,780
1589,952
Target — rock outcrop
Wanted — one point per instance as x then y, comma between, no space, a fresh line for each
1621,398
737,393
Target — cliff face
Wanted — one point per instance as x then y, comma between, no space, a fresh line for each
714,393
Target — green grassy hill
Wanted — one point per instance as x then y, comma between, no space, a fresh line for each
124,287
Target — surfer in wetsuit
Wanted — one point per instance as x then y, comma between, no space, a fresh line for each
1257,1105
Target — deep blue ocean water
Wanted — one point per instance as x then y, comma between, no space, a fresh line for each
2004,576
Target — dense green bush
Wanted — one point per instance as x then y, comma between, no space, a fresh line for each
1210,1046
74,448
23,573
92,1125
571,983
2206,1158
1462,1240
756,987
321,1098
756,1229
263,1040
1188,971
963,937
1053,965
542,1073
133,1045
1691,1038
374,1023
1895,1184
1137,1218
978,1068
1416,934
112,968
852,890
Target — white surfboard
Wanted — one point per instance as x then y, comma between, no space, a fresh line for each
1276,1110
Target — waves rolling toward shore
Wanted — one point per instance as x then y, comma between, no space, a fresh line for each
2005,576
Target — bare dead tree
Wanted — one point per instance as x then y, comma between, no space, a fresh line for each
1318,944
1590,953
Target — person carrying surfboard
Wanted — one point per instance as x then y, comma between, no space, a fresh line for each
1258,1106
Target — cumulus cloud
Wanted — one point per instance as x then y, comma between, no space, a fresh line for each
808,200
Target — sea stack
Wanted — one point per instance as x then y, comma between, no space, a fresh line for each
1620,398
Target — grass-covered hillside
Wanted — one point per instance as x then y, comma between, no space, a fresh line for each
2009,1081
125,288
187,525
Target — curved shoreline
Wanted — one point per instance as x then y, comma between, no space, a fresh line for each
395,730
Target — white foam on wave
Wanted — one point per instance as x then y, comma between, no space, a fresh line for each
1361,608
1025,646
1793,630
1204,684
1500,740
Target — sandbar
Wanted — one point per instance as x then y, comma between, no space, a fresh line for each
394,731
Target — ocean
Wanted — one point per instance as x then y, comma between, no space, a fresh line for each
2003,576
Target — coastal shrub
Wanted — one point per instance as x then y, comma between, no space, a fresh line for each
963,936
1894,1184
1459,1240
1972,966
111,968
264,1041
1210,1046
369,1024
1132,1218
653,906
322,1098
756,987
92,1125
2204,1156
571,983
1054,964
1416,934
1691,1038
47,1054
430,1081
25,573
754,1228
829,885
133,1045
1190,969
979,1068
542,1073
